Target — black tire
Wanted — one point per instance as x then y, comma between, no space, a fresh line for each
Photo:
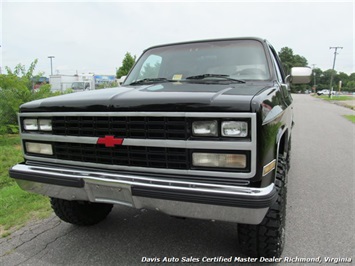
80,212
267,239
288,156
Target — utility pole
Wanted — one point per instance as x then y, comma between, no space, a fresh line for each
51,57
331,77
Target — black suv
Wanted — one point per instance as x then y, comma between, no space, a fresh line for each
198,129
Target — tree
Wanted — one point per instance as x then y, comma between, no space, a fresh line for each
286,57
127,64
299,61
24,76
315,79
290,60
16,89
351,85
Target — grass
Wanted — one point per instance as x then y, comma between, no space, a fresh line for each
10,154
337,98
350,117
17,207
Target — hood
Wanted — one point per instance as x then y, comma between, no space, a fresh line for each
171,97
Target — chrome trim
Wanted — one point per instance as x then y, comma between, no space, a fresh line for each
116,189
141,169
58,138
136,179
153,114
188,144
203,211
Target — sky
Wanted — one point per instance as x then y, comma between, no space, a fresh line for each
92,36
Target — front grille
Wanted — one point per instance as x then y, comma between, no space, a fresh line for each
150,142
155,157
122,126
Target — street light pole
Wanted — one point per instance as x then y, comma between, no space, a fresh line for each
51,57
331,77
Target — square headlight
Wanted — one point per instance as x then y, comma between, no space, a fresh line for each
45,124
30,124
234,129
205,128
37,124
40,148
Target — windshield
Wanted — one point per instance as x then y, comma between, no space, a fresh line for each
78,85
236,59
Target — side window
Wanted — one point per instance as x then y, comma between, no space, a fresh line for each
150,68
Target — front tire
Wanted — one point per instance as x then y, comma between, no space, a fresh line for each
288,157
80,212
267,239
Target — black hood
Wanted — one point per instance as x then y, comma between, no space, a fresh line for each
171,97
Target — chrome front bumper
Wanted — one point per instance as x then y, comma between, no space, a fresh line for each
178,198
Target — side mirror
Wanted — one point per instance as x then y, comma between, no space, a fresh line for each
300,75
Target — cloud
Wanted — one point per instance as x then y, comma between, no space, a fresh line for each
94,36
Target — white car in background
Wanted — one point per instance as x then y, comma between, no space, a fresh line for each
325,92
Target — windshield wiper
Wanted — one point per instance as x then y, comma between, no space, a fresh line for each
151,80
221,76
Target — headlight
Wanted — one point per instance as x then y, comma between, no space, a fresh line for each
30,124
234,129
205,128
219,160
34,124
40,148
45,124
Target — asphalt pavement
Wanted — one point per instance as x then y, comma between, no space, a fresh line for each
320,213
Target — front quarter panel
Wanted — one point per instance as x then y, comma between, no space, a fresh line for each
274,120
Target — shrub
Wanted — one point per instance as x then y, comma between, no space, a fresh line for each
16,89
11,100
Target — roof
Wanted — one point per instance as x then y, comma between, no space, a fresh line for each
208,40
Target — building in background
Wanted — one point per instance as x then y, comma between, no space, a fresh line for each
81,82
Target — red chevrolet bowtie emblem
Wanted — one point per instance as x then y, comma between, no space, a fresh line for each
109,141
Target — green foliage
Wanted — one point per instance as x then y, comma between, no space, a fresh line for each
127,64
16,89
24,76
18,207
320,78
106,85
350,118
69,90
336,98
290,60
10,154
